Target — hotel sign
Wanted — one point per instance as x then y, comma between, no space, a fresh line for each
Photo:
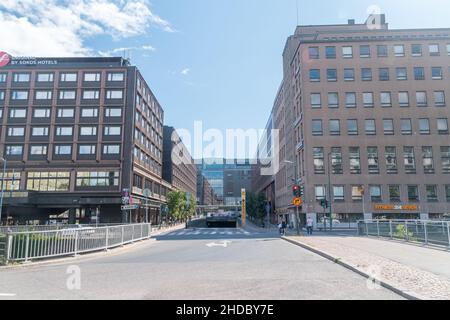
6,59
394,207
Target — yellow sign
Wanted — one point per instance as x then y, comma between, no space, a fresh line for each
394,207
243,208
297,202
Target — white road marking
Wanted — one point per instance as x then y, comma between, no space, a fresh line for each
223,244
8,294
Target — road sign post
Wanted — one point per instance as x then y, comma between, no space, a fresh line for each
243,207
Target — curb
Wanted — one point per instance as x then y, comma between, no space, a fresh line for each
404,294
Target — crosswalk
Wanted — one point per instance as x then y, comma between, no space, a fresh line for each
210,232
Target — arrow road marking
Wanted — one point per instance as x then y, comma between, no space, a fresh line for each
7,294
224,244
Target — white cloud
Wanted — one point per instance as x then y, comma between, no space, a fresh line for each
59,28
125,50
185,71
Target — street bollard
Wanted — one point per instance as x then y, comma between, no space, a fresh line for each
107,239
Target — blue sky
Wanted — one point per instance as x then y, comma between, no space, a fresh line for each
230,50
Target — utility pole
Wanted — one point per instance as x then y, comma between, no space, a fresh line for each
3,188
329,191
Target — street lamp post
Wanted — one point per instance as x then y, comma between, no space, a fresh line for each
329,191
3,188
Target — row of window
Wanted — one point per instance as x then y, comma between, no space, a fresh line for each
146,160
144,141
23,77
373,160
42,113
87,94
394,193
383,51
370,128
384,74
84,130
62,149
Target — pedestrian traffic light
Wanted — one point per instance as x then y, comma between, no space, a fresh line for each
324,203
302,191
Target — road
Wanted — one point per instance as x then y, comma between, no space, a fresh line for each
193,264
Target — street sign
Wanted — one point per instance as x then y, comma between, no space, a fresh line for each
130,207
297,202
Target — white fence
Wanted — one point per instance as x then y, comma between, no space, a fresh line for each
33,245
426,232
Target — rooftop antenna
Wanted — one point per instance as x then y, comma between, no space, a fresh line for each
296,2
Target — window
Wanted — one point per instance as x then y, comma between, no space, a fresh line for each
386,100
17,113
409,159
313,52
394,193
352,127
115,76
388,127
333,100
66,113
67,95
114,94
63,150
368,99
19,95
350,99
113,112
16,150
320,192
399,50
16,131
427,159
111,149
439,98
421,99
89,112
357,193
88,131
38,150
335,128
48,181
448,49
442,126
336,160
314,75
330,52
413,193
317,129
375,193
372,158
349,74
39,131
95,179
21,77
402,74
447,192
3,77
434,49
445,159
406,127
432,193
416,50
382,51
331,75
112,130
338,193
436,73
347,52
391,160
91,94
424,126
92,77
2,95
364,51
384,74
64,131
403,99
355,160
68,77
419,73
45,77
319,167
87,149
366,74
315,100
41,113
43,95
370,127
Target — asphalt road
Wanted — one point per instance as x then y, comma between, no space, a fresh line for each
193,264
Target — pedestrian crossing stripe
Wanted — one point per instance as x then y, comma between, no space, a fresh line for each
208,232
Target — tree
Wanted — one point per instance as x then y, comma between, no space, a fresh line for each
176,203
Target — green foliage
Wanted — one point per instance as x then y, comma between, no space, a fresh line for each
179,209
401,233
256,205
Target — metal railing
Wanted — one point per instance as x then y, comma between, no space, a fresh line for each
23,228
421,231
33,245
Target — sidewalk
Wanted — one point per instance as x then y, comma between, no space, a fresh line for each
420,272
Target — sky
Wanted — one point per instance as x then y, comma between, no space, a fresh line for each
215,61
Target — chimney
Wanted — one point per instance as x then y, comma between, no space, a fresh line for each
351,22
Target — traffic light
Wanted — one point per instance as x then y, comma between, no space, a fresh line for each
324,203
302,191
296,189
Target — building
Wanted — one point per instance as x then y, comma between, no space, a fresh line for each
369,103
205,193
178,166
77,134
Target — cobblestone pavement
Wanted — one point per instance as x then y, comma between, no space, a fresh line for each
414,270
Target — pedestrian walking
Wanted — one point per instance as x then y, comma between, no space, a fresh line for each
309,226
